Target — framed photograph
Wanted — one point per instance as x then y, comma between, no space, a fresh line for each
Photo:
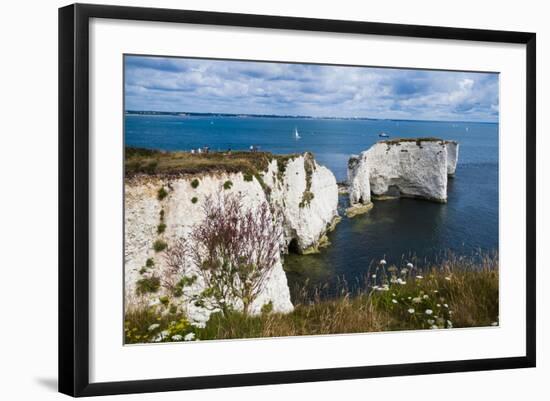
251,199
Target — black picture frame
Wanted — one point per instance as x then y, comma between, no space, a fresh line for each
74,198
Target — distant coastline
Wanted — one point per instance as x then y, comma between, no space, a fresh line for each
246,115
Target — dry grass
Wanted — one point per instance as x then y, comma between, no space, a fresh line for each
457,293
146,161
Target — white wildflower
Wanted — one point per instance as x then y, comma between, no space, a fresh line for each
200,325
383,261
449,324
448,278
438,305
425,296
419,277
154,326
409,297
410,310
373,276
394,301
445,305
435,291
434,327
430,321
189,337
428,311
404,271
402,282
410,265
375,287
417,300
177,337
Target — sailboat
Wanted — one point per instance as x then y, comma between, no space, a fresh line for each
296,134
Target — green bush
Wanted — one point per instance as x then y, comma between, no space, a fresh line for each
227,185
148,285
248,177
194,199
161,214
149,262
164,300
159,245
307,197
162,193
267,307
142,270
160,228
184,282
195,183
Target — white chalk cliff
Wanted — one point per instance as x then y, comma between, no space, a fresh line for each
305,191
307,194
409,168
452,157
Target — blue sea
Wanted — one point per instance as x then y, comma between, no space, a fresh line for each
393,229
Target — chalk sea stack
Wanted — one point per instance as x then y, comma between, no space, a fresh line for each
411,167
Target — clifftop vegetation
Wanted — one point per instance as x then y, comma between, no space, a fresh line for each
398,141
156,162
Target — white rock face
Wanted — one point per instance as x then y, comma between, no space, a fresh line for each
309,209
405,168
304,222
452,157
358,180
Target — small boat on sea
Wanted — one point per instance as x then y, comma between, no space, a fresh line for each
383,135
296,134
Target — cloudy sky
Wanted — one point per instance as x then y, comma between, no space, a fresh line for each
217,86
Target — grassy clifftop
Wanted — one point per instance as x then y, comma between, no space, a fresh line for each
398,141
155,162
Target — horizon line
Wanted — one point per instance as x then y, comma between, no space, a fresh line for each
303,116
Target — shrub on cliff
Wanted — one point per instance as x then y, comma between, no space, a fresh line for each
162,193
235,249
148,285
159,245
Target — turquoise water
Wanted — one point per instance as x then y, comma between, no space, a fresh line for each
393,229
